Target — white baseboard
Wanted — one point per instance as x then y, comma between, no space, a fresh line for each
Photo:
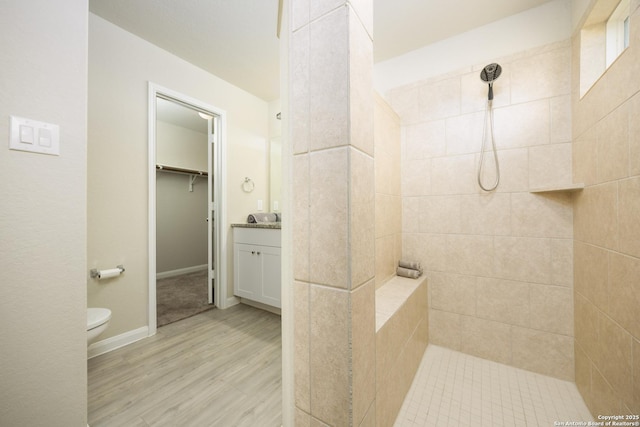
110,344
181,271
231,301
261,306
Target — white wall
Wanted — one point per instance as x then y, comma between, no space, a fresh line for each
180,147
120,67
181,226
43,58
535,27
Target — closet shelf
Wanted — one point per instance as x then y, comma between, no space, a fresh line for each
165,168
571,188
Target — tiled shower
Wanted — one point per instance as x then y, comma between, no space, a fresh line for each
541,274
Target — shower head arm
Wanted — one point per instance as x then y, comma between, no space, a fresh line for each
490,95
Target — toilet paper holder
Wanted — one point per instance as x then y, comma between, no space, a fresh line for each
99,274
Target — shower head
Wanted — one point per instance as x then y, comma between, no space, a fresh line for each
489,74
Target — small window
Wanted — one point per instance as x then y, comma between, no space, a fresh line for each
603,37
617,32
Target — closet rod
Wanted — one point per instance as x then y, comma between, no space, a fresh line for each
180,170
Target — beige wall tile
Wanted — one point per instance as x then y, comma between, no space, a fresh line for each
503,301
329,209
388,168
384,170
583,374
435,251
561,119
320,7
388,211
301,217
416,177
329,79
584,156
445,329
523,258
370,417
400,344
629,216
302,418
464,133
586,326
624,292
635,405
486,214
329,354
300,87
548,215
425,140
361,101
634,136
440,99
612,146
486,338
472,255
596,215
604,398
454,175
386,259
301,346
542,352
614,360
551,309
514,170
405,102
591,272
531,81
361,229
411,214
522,125
550,165
317,423
453,293
562,262
394,382
363,345
300,13
440,214
474,95
364,11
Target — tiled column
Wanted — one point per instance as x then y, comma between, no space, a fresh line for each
331,105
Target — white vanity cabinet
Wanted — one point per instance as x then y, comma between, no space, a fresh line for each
257,274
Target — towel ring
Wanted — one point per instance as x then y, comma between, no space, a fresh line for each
248,185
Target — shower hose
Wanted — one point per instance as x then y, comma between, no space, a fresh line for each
488,117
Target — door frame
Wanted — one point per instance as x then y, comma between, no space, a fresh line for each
219,188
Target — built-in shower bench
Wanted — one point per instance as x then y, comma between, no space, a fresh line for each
402,335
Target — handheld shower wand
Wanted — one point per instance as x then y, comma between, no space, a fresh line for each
488,75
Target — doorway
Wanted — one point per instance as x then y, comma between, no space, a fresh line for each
186,254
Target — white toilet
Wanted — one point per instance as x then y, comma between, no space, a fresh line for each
97,323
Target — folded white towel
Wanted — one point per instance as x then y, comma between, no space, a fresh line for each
408,272
413,265
262,217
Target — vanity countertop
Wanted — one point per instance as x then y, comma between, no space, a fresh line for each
272,225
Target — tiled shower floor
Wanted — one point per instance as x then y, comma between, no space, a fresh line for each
453,389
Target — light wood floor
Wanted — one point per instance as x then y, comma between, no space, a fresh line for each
218,368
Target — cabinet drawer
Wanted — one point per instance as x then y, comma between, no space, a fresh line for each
257,236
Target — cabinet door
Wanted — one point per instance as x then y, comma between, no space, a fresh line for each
271,276
247,280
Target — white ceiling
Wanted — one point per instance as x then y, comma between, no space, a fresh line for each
236,39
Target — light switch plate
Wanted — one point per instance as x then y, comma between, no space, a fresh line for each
34,136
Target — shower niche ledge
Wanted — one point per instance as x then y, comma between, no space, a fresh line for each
570,188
